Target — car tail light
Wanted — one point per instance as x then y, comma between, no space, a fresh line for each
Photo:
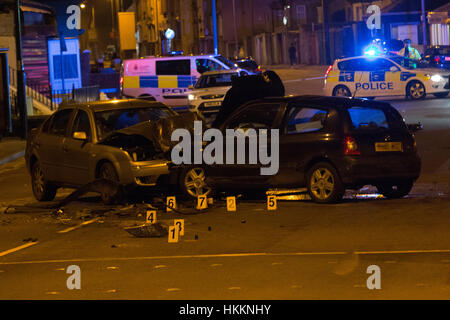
351,147
330,68
121,80
436,59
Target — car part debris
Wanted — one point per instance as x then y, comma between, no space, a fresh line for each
155,230
102,186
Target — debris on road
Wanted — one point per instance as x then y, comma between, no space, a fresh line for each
155,230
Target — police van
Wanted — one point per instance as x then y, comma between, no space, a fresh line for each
167,79
381,76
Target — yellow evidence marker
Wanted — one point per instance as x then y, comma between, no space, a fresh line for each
171,202
272,203
173,234
179,223
231,203
151,217
202,203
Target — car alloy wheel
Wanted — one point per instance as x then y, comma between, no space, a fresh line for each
42,190
195,183
322,183
341,91
108,172
416,90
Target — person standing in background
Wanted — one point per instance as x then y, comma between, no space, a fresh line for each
292,54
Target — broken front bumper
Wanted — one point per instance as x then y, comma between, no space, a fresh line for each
147,173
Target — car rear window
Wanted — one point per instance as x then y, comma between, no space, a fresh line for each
366,118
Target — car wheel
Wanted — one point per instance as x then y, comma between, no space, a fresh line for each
108,172
416,90
396,191
42,190
341,91
193,183
324,184
440,95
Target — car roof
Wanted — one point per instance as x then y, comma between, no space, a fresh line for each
325,101
99,106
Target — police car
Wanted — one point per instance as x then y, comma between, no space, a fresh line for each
210,90
380,76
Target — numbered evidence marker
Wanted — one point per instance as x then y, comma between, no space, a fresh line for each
179,223
202,202
173,234
171,202
272,203
231,203
151,217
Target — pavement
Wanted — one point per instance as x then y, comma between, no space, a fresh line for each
11,149
300,251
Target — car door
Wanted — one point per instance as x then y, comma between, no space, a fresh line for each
354,75
241,170
305,136
50,145
77,151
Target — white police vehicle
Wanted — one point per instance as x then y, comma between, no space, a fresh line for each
381,76
210,90
167,79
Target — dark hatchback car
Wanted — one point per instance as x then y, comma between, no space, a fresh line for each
437,57
328,145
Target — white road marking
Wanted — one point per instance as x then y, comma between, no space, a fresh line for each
401,251
26,245
173,289
52,292
111,291
112,268
216,265
234,288
159,266
227,255
79,226
199,256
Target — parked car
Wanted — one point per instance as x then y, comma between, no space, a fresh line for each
208,93
437,57
126,141
327,144
248,64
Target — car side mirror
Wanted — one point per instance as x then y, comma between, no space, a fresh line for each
414,127
191,87
80,136
394,69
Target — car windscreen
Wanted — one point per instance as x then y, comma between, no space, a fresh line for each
443,51
225,61
215,80
106,122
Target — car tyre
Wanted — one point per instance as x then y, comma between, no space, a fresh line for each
397,190
42,189
341,91
324,183
192,182
440,95
416,90
108,172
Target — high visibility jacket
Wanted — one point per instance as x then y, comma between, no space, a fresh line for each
413,53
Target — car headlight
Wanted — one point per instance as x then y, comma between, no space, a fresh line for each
436,78
191,97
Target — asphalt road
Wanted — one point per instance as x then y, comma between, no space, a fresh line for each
300,251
